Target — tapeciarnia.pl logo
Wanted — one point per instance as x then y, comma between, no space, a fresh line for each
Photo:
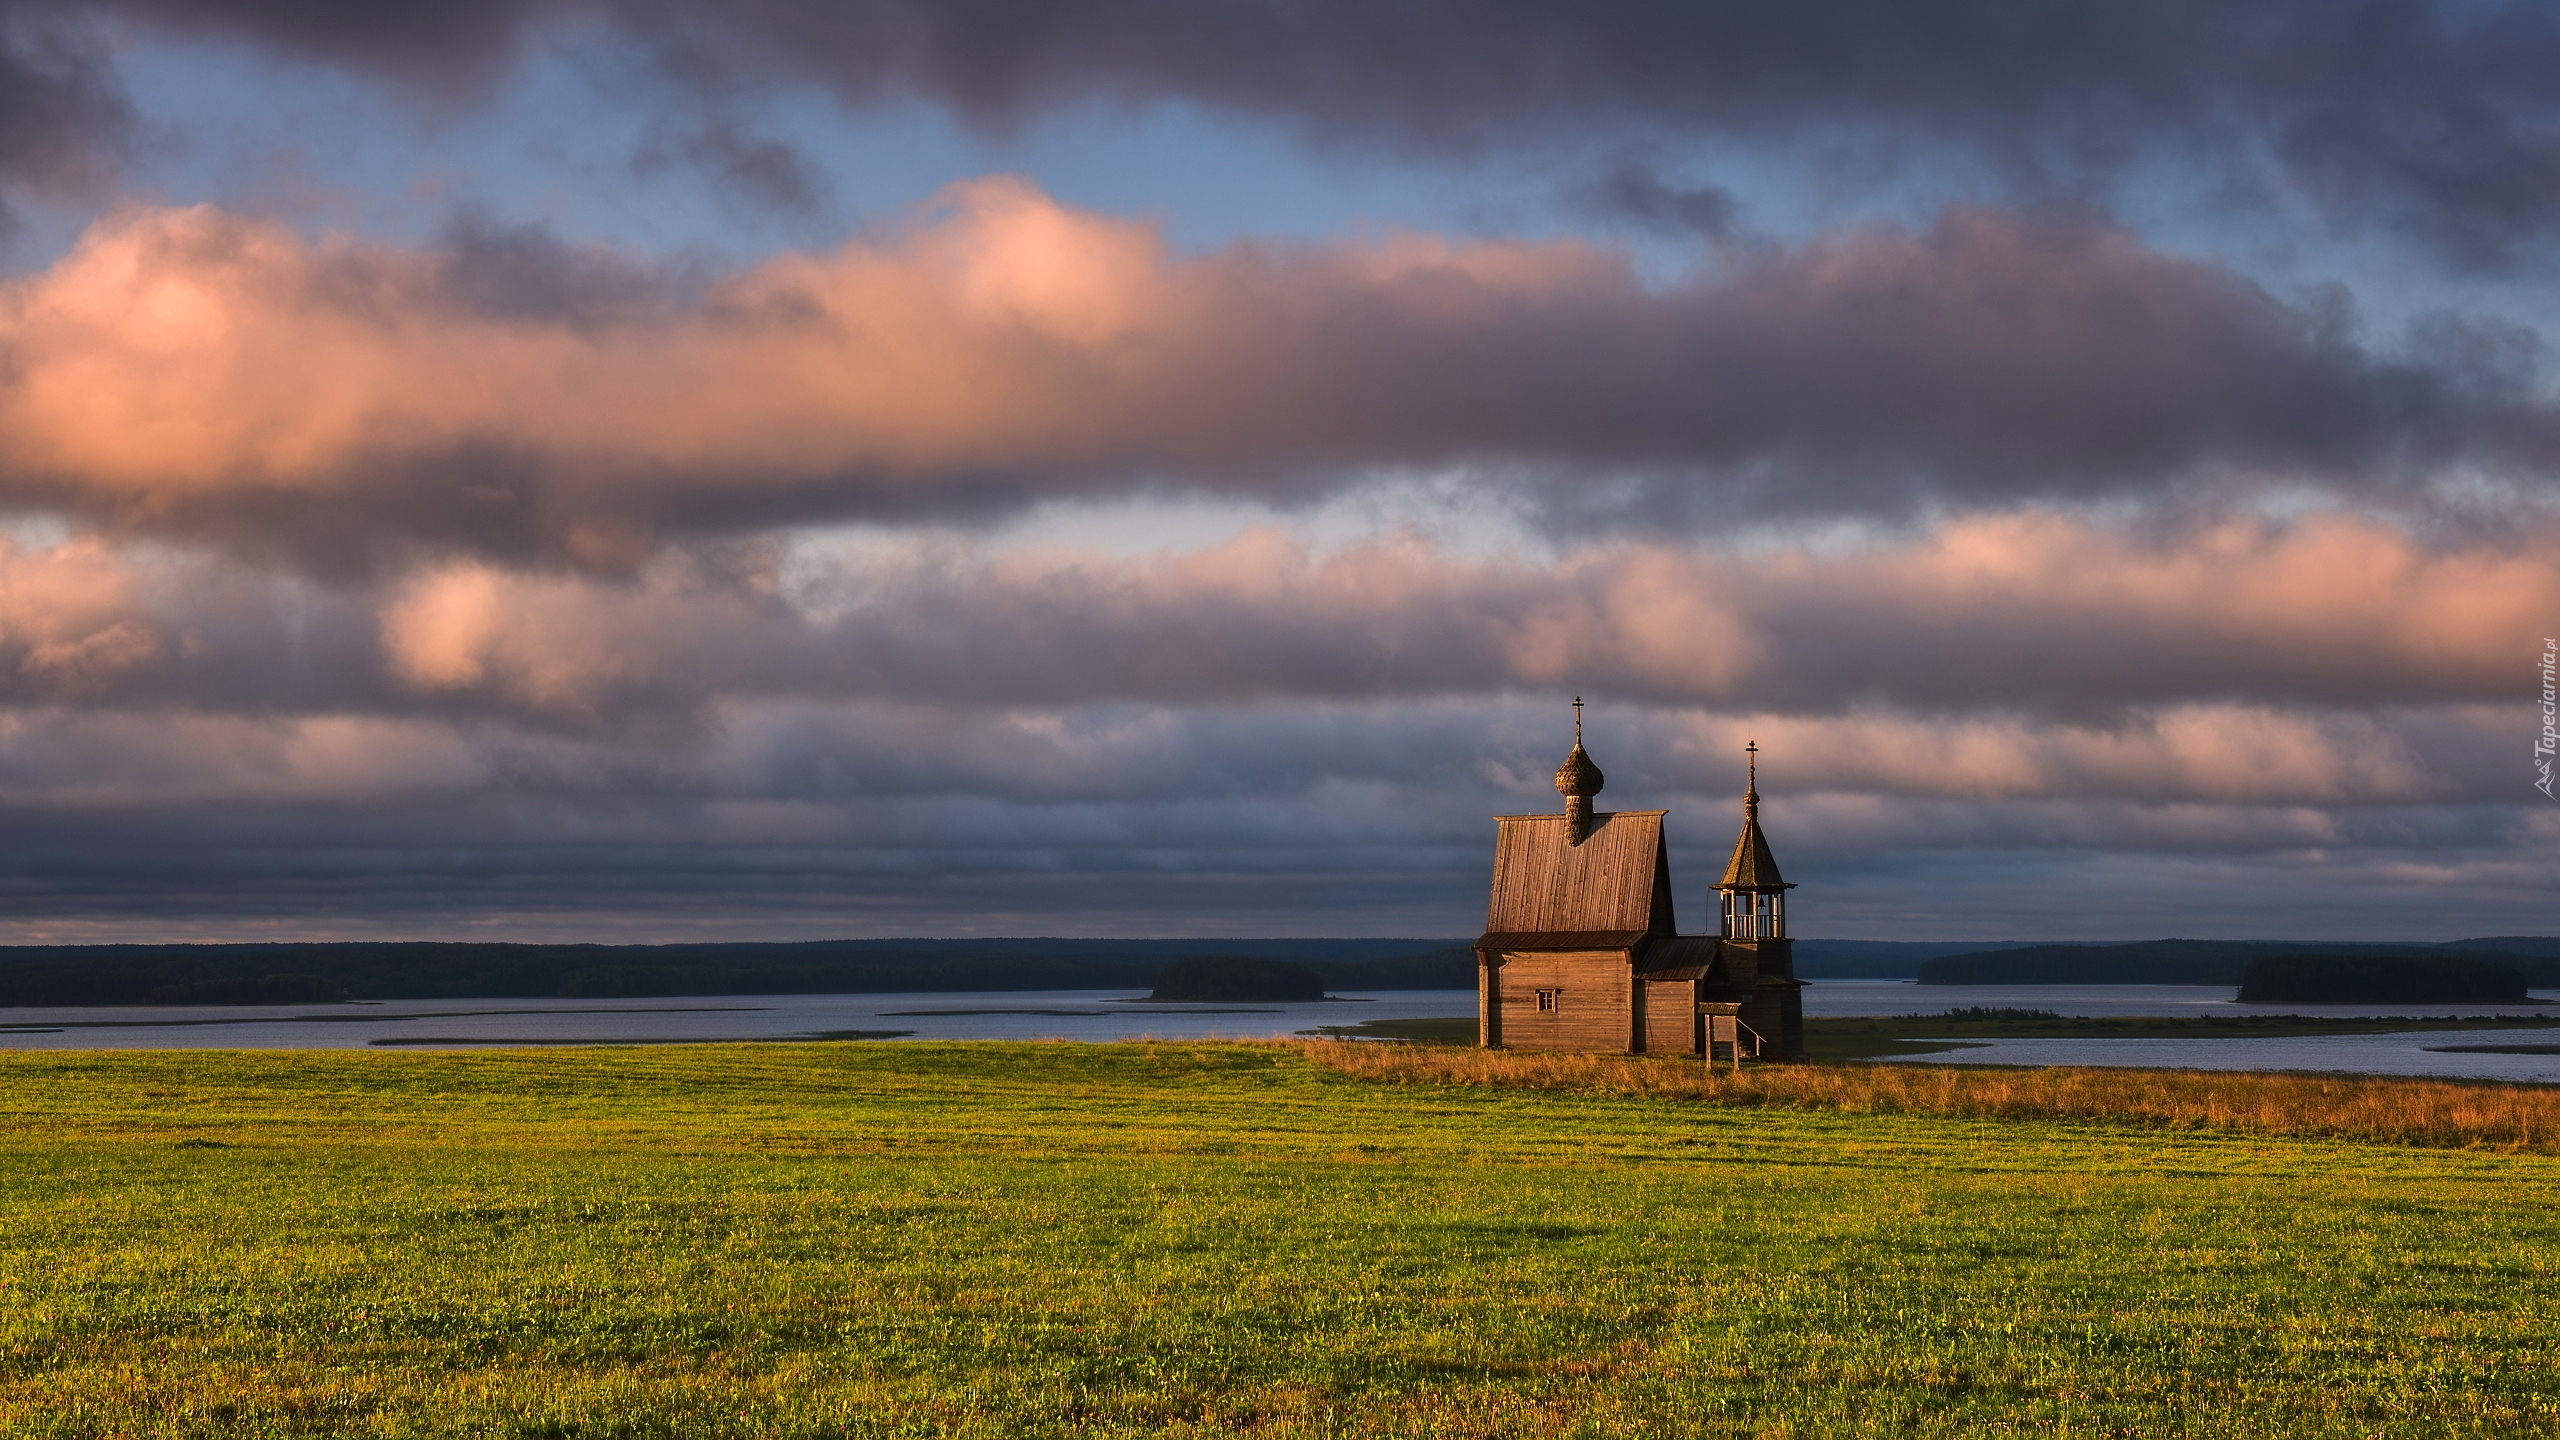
2549,742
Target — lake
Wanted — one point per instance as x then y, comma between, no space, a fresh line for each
1116,1015
965,1015
2410,1053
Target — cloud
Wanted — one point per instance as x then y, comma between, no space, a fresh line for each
566,648
71,622
2027,613
525,275
193,372
466,580
174,762
803,818
2216,754
1637,192
2055,618
452,46
2018,613
63,116
813,770
957,734
2431,120
757,171
1451,761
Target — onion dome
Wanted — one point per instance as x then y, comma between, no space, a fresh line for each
1577,776
1577,780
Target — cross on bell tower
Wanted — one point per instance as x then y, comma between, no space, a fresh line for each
1755,896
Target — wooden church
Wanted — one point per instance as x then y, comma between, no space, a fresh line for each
1580,951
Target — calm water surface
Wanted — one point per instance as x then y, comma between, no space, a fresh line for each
1901,997
2415,1052
1116,1015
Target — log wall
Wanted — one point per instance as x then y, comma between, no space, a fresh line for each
1671,1017
1595,1000
1765,1011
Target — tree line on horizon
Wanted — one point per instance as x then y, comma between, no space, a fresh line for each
322,972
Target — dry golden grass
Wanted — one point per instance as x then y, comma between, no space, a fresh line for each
2436,1113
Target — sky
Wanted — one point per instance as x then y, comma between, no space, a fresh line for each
639,470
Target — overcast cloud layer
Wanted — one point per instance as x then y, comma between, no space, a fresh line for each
998,566
2434,122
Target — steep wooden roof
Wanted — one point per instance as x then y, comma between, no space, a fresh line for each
1618,879
1752,866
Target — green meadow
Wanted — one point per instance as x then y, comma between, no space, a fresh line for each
1144,1239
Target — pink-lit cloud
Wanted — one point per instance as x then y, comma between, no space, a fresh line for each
72,620
198,372
2023,612
2016,613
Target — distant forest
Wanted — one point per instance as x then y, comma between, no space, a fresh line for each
428,970
2379,979
292,974
2213,962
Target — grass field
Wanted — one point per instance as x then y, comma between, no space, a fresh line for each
1051,1239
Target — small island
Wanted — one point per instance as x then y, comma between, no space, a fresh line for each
1237,977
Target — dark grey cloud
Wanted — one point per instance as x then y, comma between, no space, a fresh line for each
889,819
1238,741
527,273
757,171
63,115
2432,120
454,46
1636,191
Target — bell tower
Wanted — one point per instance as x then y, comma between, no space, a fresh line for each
1754,902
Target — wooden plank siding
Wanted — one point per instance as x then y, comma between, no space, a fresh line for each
1595,1000
1670,1017
1765,1011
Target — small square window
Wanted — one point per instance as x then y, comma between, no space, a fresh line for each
1547,999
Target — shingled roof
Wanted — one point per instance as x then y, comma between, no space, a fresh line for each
1617,880
1682,957
1752,866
